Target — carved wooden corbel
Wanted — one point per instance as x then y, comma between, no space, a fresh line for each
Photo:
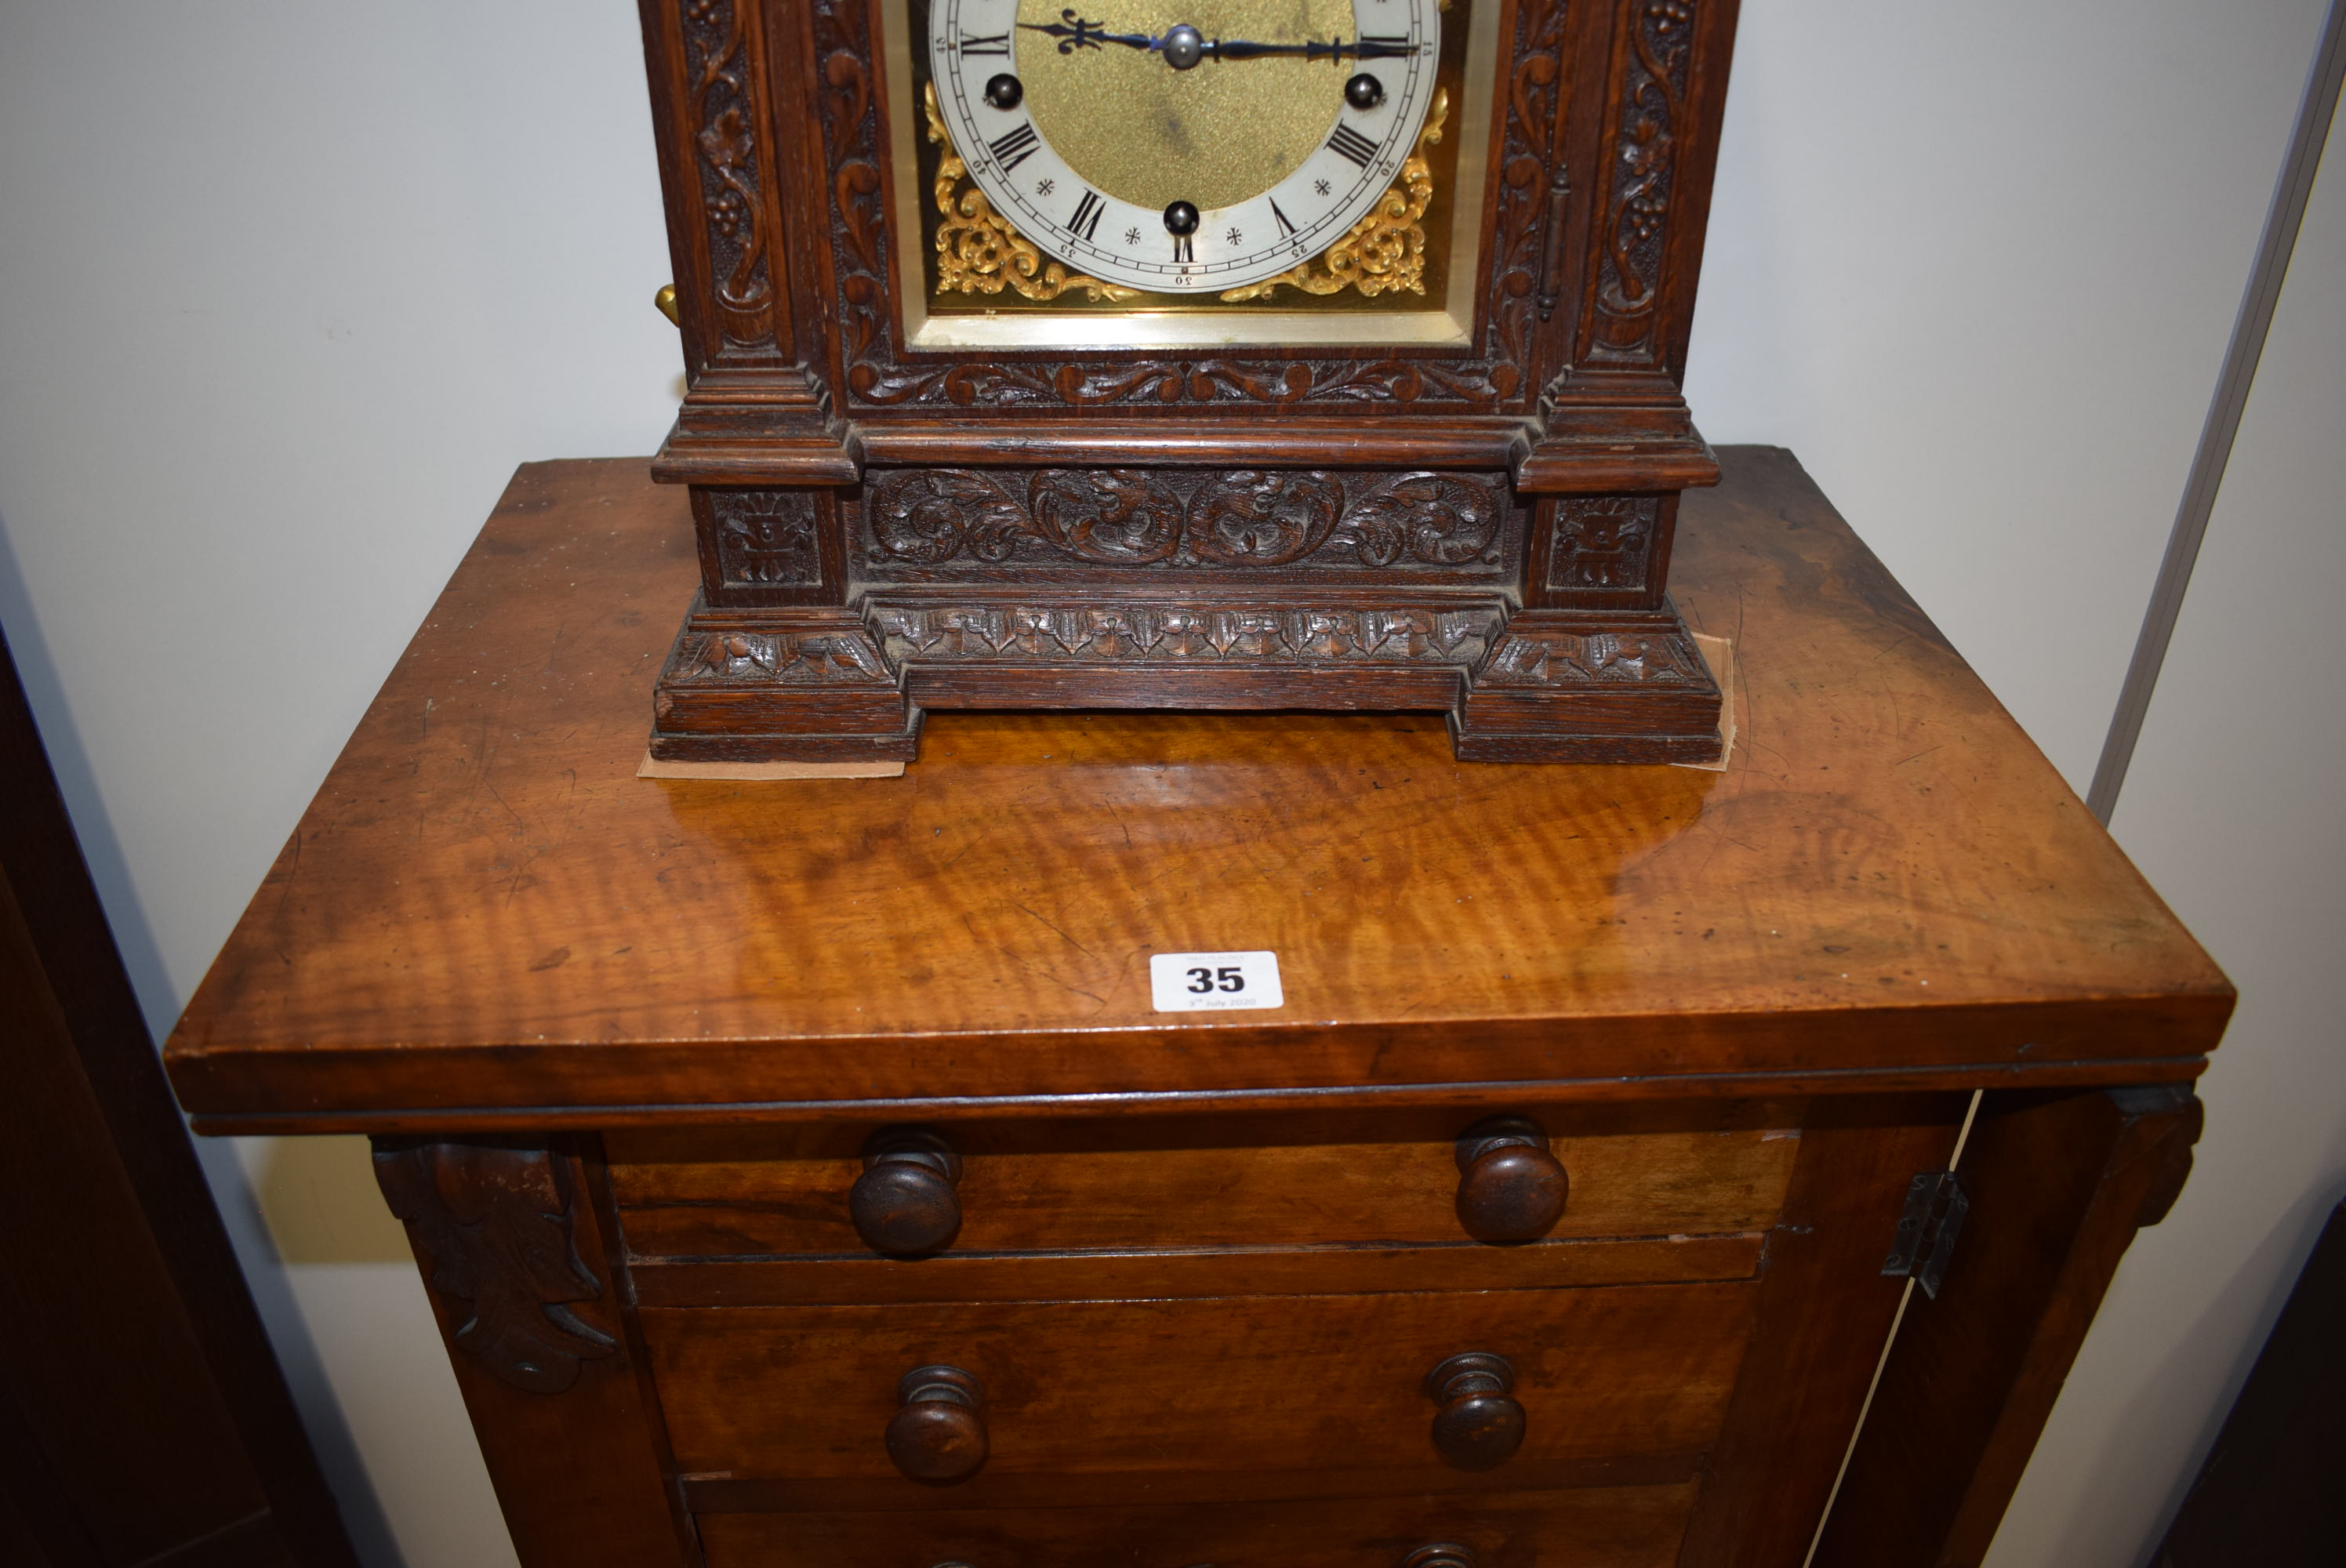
2173,1152
491,1223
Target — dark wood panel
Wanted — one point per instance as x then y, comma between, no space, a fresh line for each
705,1494
1022,1189
1622,1528
142,1414
1107,1275
19,1544
107,1368
1229,1385
38,1524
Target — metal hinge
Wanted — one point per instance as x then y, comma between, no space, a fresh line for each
1935,1206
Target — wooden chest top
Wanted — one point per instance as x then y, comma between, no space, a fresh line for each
485,918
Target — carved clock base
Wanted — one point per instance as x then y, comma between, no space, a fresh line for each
780,685
837,685
1564,686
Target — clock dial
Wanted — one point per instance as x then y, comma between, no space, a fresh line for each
1184,146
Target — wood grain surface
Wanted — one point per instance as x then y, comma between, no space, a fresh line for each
1230,1386
1142,1192
2058,1184
1618,1527
484,911
1106,1275
1825,1309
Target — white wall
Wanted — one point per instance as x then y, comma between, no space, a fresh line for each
286,289
2232,811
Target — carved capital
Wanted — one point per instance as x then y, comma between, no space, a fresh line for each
491,1223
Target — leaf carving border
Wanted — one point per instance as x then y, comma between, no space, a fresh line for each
1543,659
1454,525
1184,634
1496,378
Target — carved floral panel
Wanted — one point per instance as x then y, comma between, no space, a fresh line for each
911,521
767,538
1603,541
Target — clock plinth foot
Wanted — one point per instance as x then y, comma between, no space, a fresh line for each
1560,686
795,685
839,684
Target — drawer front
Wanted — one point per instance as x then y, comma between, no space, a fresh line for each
1249,1389
1609,1527
1171,1182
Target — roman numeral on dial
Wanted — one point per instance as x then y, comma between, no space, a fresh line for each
1284,226
1014,147
1085,222
1351,144
973,44
1182,250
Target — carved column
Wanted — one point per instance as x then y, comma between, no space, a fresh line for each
518,1267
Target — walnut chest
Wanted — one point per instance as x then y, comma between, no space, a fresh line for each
804,1177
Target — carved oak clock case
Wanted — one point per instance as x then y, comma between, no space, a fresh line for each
1186,353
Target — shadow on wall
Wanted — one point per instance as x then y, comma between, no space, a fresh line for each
319,1198
37,666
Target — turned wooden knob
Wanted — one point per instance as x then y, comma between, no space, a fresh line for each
939,1437
1440,1554
1479,1426
903,1202
1510,1188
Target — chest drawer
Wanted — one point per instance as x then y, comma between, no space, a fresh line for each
1596,1527
1261,1397
1051,1186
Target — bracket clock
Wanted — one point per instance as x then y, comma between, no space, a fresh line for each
1316,354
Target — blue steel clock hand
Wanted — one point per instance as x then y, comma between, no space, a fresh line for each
1185,47
1074,32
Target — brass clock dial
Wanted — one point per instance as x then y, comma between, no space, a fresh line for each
1184,146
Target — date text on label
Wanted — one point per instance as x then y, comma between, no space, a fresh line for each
1214,981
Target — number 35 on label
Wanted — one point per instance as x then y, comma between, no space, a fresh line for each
1214,981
